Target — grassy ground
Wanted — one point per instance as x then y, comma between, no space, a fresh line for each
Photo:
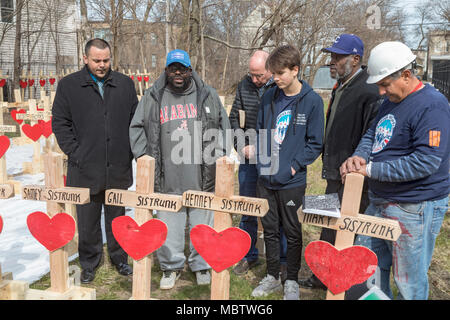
110,285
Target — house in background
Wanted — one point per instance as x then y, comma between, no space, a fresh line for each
438,60
49,38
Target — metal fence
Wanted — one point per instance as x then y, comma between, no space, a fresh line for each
441,76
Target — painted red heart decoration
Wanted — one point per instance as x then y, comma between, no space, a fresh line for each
42,82
15,112
139,241
139,78
53,233
4,145
132,77
220,250
2,83
146,78
1,224
32,132
340,269
30,82
46,127
23,84
52,81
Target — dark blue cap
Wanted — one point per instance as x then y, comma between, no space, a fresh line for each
347,44
180,56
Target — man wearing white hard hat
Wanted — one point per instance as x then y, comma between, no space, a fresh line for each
405,154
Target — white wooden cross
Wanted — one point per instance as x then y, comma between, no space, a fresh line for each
351,222
6,189
224,203
144,200
56,195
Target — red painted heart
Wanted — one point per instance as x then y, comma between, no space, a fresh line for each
1,224
47,128
52,81
15,112
42,82
139,78
146,78
340,269
32,132
220,249
2,83
132,77
139,241
30,82
4,145
23,84
53,233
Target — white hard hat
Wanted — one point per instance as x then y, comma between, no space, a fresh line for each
387,58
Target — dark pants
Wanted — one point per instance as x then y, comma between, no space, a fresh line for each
283,206
247,187
90,242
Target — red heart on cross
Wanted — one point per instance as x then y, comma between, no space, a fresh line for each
139,241
139,78
32,132
46,127
340,269
132,77
23,84
4,145
52,81
146,78
1,224
220,249
15,112
42,82
2,83
53,233
30,82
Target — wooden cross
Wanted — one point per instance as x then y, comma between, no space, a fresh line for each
224,203
6,189
5,77
56,195
144,200
351,223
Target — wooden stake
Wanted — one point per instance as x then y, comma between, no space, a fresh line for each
142,269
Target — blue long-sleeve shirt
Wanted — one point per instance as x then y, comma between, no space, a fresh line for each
408,148
297,126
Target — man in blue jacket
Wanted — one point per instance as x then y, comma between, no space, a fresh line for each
405,154
290,132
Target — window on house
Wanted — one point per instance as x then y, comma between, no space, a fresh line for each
153,60
153,39
7,9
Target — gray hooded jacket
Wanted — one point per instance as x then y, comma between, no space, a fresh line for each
146,133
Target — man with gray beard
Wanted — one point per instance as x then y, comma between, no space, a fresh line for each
352,108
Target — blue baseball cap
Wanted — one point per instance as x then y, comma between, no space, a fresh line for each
347,44
180,56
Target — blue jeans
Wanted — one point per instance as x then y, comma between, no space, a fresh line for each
410,256
247,187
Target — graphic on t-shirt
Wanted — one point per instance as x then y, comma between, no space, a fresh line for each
169,113
281,126
383,132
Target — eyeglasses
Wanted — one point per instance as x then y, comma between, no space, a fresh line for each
180,68
257,76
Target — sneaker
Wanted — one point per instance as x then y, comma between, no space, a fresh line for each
203,277
243,266
267,285
291,290
168,279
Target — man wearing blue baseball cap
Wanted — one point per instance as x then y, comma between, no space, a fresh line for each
352,108
170,125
